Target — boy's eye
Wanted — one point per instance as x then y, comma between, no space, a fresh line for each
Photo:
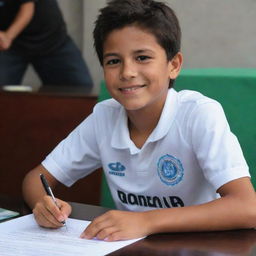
142,58
112,62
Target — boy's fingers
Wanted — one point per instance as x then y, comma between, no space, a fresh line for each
90,232
56,213
47,213
52,218
46,223
94,228
116,236
53,209
65,209
45,219
105,233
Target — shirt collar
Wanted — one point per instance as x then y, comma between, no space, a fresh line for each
121,137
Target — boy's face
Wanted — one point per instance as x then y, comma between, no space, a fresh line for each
136,68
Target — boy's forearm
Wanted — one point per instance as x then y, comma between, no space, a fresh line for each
225,213
190,219
32,188
21,20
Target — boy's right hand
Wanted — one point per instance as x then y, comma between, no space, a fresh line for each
48,215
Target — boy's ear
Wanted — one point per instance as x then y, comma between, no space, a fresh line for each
175,65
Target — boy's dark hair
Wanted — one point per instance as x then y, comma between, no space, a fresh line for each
155,17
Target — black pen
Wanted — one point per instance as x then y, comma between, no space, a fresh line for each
48,191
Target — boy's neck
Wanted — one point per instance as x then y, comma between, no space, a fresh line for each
140,132
141,123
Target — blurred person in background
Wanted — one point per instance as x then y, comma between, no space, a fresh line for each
34,32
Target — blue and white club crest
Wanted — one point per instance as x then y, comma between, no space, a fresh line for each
170,170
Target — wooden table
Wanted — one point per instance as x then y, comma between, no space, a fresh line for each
228,243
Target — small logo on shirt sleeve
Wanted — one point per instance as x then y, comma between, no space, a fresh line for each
170,170
116,169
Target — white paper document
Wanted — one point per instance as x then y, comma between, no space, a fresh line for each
23,237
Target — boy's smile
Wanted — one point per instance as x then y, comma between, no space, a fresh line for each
136,69
131,89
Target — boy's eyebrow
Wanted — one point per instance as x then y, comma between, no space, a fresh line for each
110,55
143,50
135,52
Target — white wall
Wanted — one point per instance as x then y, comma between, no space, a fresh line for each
91,9
216,33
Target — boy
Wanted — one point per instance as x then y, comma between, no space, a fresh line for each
170,159
34,32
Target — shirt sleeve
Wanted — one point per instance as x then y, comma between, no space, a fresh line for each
76,156
217,149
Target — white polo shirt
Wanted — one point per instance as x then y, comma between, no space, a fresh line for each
188,156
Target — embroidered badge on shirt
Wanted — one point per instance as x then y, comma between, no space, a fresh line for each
116,169
170,170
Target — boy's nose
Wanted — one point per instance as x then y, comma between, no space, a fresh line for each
128,71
